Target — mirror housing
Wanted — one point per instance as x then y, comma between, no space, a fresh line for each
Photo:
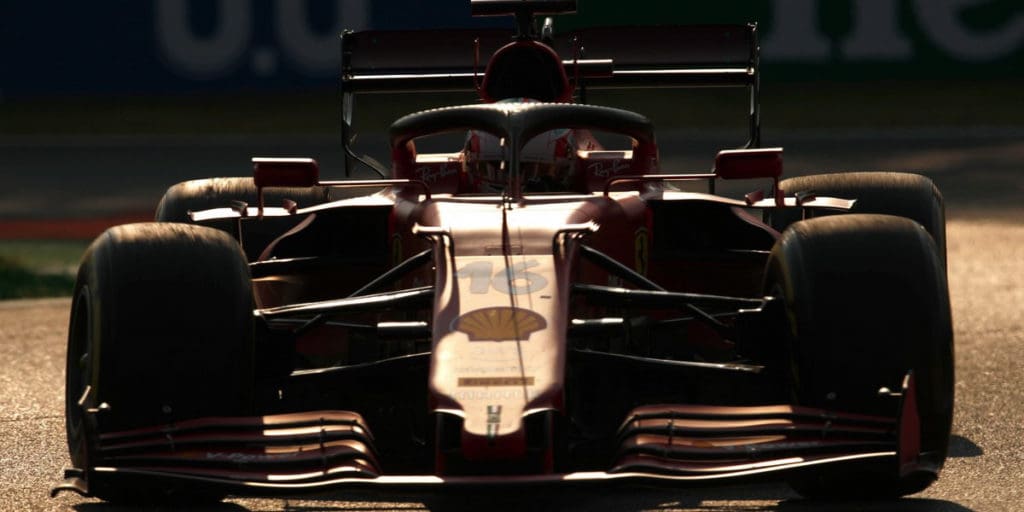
285,172
744,164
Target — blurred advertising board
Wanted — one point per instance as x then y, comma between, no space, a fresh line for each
158,47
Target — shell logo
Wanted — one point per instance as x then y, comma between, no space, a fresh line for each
500,323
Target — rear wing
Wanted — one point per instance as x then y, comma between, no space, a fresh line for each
598,58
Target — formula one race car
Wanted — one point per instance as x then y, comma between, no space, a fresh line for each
533,307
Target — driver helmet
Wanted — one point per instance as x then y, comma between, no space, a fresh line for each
546,162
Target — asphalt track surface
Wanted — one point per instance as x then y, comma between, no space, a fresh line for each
985,472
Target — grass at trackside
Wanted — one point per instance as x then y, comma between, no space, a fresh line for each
44,256
799,105
38,268
18,283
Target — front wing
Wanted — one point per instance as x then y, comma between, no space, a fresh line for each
677,445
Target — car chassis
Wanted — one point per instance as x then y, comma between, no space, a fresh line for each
624,330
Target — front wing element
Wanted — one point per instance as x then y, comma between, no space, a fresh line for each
671,444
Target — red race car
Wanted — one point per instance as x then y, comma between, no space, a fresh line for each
532,307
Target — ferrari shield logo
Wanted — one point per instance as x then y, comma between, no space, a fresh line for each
641,250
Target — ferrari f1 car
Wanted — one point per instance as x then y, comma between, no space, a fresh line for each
534,307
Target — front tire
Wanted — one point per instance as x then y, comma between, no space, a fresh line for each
160,331
204,194
867,301
889,193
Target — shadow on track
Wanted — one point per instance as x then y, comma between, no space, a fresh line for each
960,446
726,499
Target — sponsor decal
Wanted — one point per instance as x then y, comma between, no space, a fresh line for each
476,395
606,168
493,420
431,174
500,323
495,381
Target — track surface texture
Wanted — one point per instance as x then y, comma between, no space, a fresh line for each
985,471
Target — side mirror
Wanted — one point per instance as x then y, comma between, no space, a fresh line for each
285,172
743,164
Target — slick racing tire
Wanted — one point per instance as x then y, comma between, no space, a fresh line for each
197,195
890,193
204,194
867,301
160,331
